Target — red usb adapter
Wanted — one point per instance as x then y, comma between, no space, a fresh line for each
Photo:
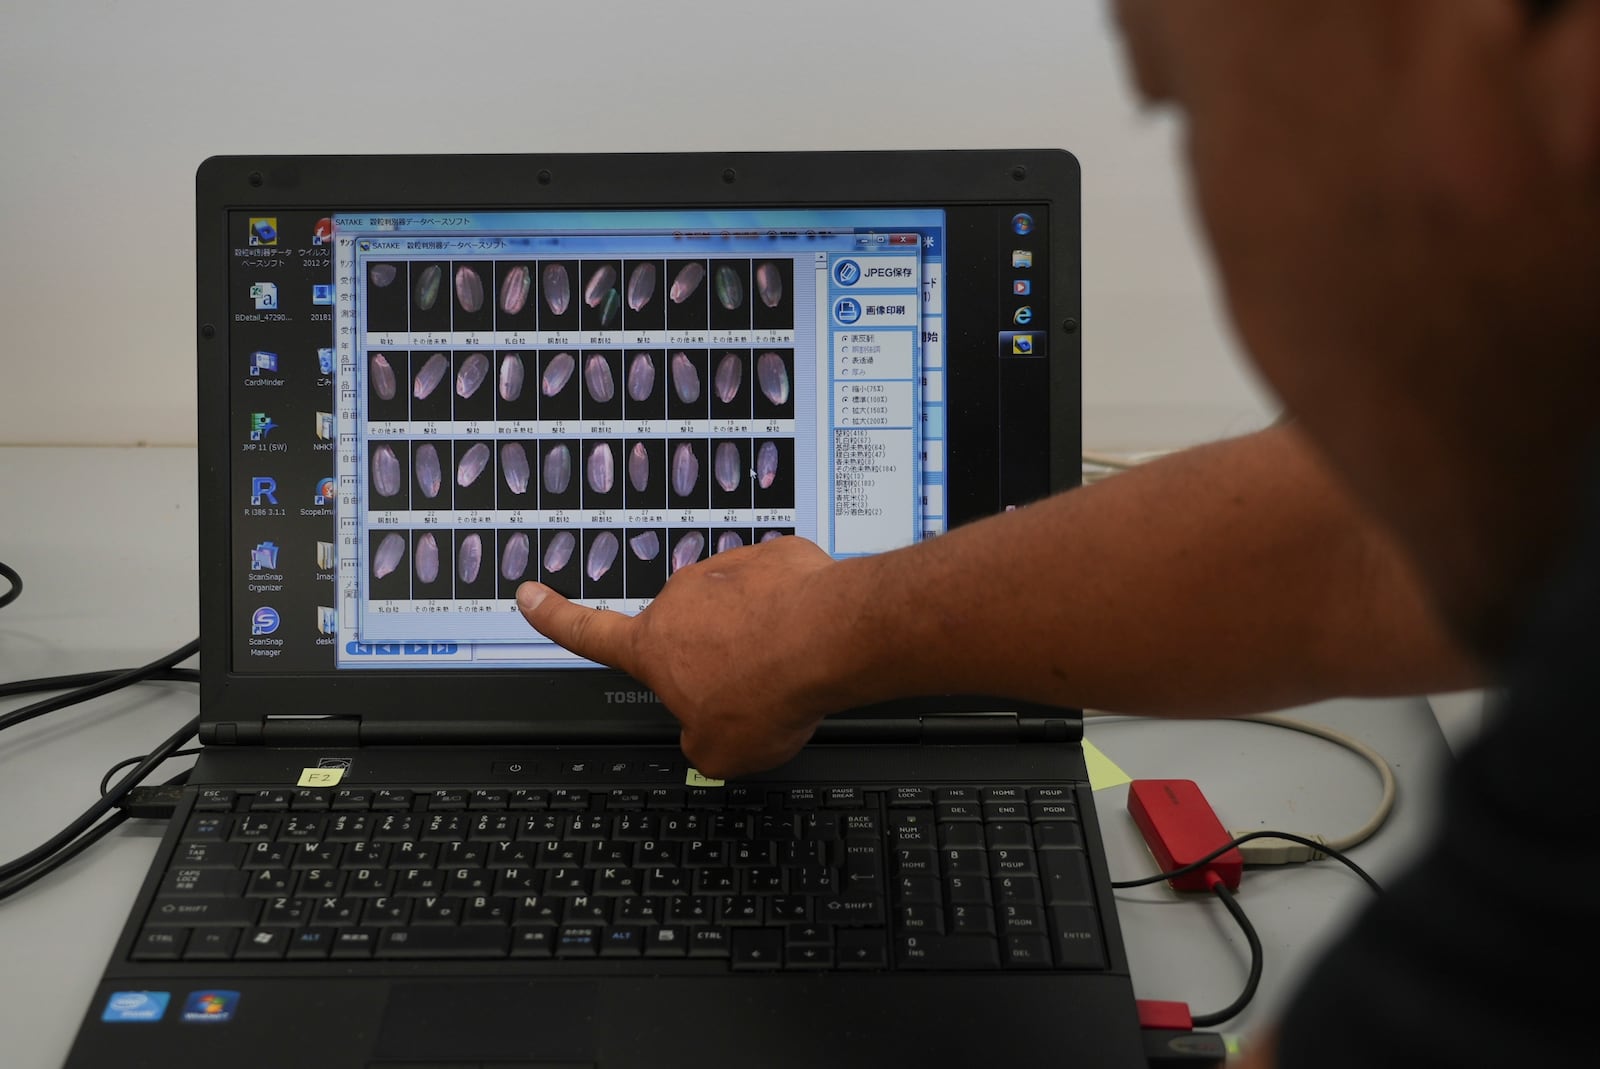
1180,828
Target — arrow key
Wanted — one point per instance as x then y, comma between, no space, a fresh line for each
757,948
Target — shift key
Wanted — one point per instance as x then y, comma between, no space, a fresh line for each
202,912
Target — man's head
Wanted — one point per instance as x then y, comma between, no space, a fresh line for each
1403,202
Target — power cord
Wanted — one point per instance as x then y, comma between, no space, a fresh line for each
111,810
1238,842
11,577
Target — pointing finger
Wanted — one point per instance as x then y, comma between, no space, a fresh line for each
606,637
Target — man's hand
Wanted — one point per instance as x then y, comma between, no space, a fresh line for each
742,648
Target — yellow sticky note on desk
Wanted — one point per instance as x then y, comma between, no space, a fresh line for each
1103,772
320,777
693,778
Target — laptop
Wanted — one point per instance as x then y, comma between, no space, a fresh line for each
419,834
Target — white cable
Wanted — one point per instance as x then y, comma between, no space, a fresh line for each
1282,851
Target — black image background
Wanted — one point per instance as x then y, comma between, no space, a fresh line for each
764,406
567,319
737,406
699,386
566,580
479,493
522,453
645,578
694,312
781,315
593,498
387,305
780,495
564,403
654,494
524,407
400,499
479,404
652,314
698,496
654,404
398,406
527,317
436,317
611,407
604,277
440,459
720,534
609,585
443,585
435,406
463,274
568,497
395,585
482,583
524,542
739,496
723,317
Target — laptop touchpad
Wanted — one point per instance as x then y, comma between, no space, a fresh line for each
538,1021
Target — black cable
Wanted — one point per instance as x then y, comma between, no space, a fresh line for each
1211,1020
94,690
1223,849
105,781
10,576
100,808
84,679
78,846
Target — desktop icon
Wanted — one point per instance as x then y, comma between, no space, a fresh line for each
847,272
265,294
321,293
1022,345
1021,287
327,620
263,490
325,556
263,361
325,361
264,558
264,621
1022,223
322,233
1021,258
1022,316
325,492
324,426
264,230
261,425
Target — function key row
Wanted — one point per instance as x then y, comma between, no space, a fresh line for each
953,803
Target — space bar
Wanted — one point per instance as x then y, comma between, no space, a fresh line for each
488,942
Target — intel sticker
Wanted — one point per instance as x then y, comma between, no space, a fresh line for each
209,1006
136,1006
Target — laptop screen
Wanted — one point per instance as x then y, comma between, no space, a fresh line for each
430,402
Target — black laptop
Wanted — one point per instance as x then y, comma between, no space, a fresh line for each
422,836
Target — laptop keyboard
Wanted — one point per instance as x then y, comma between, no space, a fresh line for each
825,878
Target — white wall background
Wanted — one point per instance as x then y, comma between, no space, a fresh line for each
108,107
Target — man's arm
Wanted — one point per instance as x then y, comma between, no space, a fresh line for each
1226,579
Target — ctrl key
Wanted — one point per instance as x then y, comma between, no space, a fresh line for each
160,944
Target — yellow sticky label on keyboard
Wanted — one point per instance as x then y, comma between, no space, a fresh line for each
320,777
693,778
1103,772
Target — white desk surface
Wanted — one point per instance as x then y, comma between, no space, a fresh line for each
105,541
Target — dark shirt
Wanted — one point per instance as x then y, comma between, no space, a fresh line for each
1484,953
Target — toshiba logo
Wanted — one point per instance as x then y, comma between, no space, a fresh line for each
630,697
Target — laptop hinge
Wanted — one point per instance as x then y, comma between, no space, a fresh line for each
285,731
971,728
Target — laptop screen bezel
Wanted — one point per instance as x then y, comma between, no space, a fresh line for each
582,698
